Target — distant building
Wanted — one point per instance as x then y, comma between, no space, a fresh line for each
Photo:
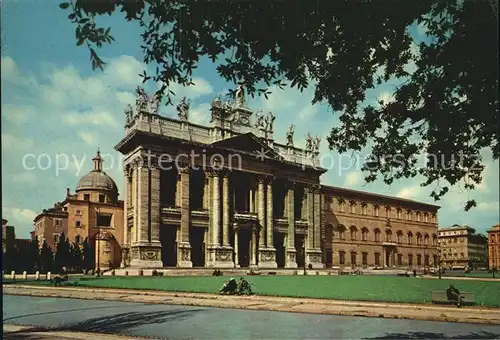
93,213
494,247
50,224
461,247
8,233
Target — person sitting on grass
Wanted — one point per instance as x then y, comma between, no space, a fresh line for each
229,287
244,287
454,295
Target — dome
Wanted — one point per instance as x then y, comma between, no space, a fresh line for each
97,179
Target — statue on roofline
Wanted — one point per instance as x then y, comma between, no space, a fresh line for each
183,109
309,142
289,135
240,96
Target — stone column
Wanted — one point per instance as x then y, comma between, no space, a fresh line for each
251,207
146,250
317,217
184,248
206,197
268,256
253,247
236,247
314,254
126,236
291,253
225,210
261,212
216,209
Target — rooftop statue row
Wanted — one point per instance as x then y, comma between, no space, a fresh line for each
232,112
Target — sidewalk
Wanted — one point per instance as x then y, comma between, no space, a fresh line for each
14,332
297,305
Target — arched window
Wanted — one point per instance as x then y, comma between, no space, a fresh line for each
364,208
418,216
426,217
410,237
341,204
377,235
354,232
408,215
426,239
376,210
419,239
388,236
341,232
388,212
364,234
398,213
400,236
352,207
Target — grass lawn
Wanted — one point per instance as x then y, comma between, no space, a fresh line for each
365,288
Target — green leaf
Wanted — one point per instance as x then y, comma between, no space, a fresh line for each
64,5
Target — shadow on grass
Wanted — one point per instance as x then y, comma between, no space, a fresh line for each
432,335
113,324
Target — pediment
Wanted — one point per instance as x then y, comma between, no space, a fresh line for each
248,143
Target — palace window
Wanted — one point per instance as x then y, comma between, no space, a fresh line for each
400,237
354,232
398,214
419,260
433,218
341,257
377,235
418,216
353,258
77,239
388,236
57,222
364,208
426,239
426,218
56,238
364,234
352,207
377,259
341,231
410,238
78,223
426,260
388,212
364,257
400,259
86,197
102,198
376,210
78,212
435,260
341,205
419,239
104,220
410,260
408,215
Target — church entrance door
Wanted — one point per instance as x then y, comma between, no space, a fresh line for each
197,241
168,236
244,238
279,244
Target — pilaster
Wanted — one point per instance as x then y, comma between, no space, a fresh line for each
145,251
184,247
291,252
267,257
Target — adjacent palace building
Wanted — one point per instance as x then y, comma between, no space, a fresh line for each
229,195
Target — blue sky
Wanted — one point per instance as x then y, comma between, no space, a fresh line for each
55,108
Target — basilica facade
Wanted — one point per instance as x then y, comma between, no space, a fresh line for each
229,195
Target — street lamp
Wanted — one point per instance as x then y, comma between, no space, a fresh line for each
97,241
439,262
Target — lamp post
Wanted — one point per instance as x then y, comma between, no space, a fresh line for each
97,241
439,262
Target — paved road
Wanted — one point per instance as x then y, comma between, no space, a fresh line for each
184,322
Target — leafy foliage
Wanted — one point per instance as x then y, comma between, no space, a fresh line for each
46,258
447,108
88,256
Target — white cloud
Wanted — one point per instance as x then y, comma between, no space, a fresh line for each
11,142
87,137
15,114
20,218
101,118
353,179
23,177
488,206
411,192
